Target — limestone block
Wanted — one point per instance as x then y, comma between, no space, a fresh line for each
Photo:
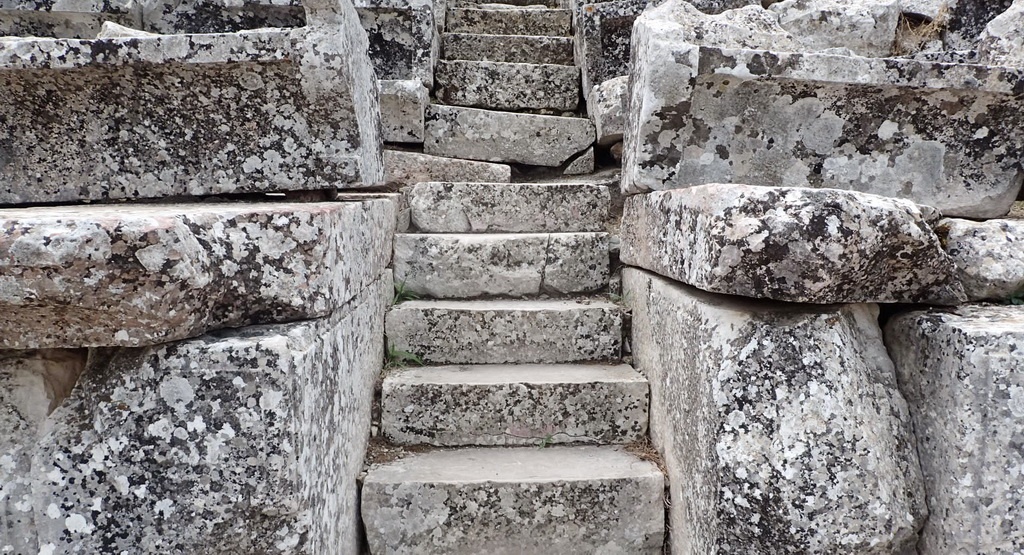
571,500
706,114
402,37
511,21
514,405
791,244
505,136
407,168
218,16
508,207
506,331
177,115
61,18
866,27
133,275
780,425
988,256
523,86
402,104
1002,41
607,105
244,441
962,373
582,165
603,33
508,48
462,266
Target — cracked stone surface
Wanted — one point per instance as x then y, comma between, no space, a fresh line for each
780,425
514,265
508,207
514,405
523,86
962,373
513,21
506,331
941,135
408,168
791,244
988,256
242,441
607,107
571,500
508,48
505,136
402,104
134,275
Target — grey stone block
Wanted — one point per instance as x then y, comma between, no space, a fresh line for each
62,18
571,500
512,21
988,256
962,373
514,405
402,104
603,32
607,106
508,48
1002,41
508,207
780,425
407,168
582,165
508,86
506,331
866,27
402,36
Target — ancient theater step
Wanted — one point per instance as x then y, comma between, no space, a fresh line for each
563,500
515,404
508,48
507,86
510,21
506,331
460,266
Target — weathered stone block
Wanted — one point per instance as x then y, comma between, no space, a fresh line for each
739,114
607,106
582,164
506,331
962,373
781,426
407,168
1002,41
868,28
402,104
988,256
522,86
508,208
62,18
791,244
510,21
402,36
514,405
603,33
508,48
571,500
146,274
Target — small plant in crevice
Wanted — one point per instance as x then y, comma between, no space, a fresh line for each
403,294
398,358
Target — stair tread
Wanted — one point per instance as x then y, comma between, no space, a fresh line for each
487,374
507,305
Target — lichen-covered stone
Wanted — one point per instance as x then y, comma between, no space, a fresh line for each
62,18
962,372
966,21
866,27
781,426
1002,41
146,274
581,165
706,114
791,244
506,331
603,33
510,21
408,168
508,48
504,136
508,207
508,86
989,256
402,38
607,106
513,264
243,441
571,500
514,405
402,104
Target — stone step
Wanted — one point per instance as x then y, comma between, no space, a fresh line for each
406,168
504,136
511,3
527,404
508,48
563,500
506,331
445,207
507,86
461,266
511,21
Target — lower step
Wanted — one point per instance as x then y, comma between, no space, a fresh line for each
525,404
563,500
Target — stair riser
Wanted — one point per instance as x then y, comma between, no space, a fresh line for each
502,86
509,48
550,23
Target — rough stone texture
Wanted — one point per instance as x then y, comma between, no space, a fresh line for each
582,165
989,256
508,207
606,107
791,244
963,375
402,38
145,274
701,114
61,18
402,104
241,442
1002,41
867,27
603,33
780,425
572,500
515,265
930,9
508,48
407,168
505,331
518,21
508,86
514,405
967,20
505,137
398,200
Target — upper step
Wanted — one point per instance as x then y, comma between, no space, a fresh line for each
508,86
524,404
525,49
506,331
510,501
509,3
511,21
